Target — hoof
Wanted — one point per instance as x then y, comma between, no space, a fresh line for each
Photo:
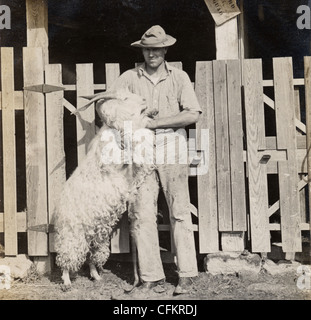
93,273
66,278
96,278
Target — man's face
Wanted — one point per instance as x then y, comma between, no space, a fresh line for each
154,56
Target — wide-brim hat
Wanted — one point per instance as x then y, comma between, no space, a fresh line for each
155,37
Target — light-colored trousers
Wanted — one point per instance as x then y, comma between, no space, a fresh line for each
143,214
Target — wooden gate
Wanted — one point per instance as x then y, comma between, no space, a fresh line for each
284,154
232,196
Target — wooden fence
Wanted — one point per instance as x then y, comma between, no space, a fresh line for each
233,196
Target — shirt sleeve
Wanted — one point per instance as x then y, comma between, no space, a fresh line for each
188,98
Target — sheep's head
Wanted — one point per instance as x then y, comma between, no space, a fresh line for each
118,111
126,107
116,107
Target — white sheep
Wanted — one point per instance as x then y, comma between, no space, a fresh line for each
96,194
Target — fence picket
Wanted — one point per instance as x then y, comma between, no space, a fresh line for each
112,73
9,154
121,235
207,188
302,192
55,142
257,172
35,135
222,146
85,119
236,145
307,67
286,139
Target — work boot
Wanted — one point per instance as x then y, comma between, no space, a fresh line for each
156,286
184,286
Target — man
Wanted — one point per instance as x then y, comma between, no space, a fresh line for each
170,97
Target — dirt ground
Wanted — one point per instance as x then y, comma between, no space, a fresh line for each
118,276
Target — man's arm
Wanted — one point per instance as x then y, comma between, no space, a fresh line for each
182,119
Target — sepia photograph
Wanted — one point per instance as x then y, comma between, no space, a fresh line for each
155,151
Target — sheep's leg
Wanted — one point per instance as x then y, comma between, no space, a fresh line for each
66,278
99,256
93,272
